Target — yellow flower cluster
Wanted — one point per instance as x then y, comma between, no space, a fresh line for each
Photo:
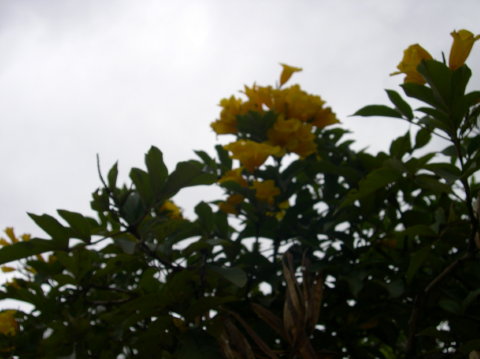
252,154
266,191
291,102
298,113
463,41
8,323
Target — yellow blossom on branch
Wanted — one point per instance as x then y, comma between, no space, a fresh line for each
266,190
234,175
293,136
11,234
8,323
287,72
7,269
231,204
463,41
412,57
231,108
171,209
251,154
293,102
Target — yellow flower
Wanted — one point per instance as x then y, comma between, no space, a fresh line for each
287,72
463,41
281,212
324,117
293,136
7,269
171,209
259,97
251,154
230,206
10,233
8,324
234,175
282,131
266,191
4,242
412,57
231,107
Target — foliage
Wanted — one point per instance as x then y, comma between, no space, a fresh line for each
316,251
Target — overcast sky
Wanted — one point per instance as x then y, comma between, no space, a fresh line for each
113,77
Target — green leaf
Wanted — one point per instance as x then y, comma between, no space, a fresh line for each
420,92
256,124
400,104
141,180
432,184
29,248
157,171
133,209
422,138
233,274
127,243
450,305
416,260
374,181
112,176
378,110
445,170
460,78
439,77
51,226
224,158
205,216
401,145
79,224
187,174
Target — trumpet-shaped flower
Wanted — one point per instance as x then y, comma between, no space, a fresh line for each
292,135
231,204
252,154
231,108
287,72
412,57
8,323
171,210
463,41
234,175
266,190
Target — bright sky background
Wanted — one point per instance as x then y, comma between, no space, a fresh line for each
81,77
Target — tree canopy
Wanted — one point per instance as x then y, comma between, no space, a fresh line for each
316,250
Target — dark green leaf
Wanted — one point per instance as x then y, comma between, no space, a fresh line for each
400,104
141,180
29,248
439,77
157,171
112,176
79,224
378,110
205,216
445,170
420,92
51,226
187,174
234,274
422,138
416,260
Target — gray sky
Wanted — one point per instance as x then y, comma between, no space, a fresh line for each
113,77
